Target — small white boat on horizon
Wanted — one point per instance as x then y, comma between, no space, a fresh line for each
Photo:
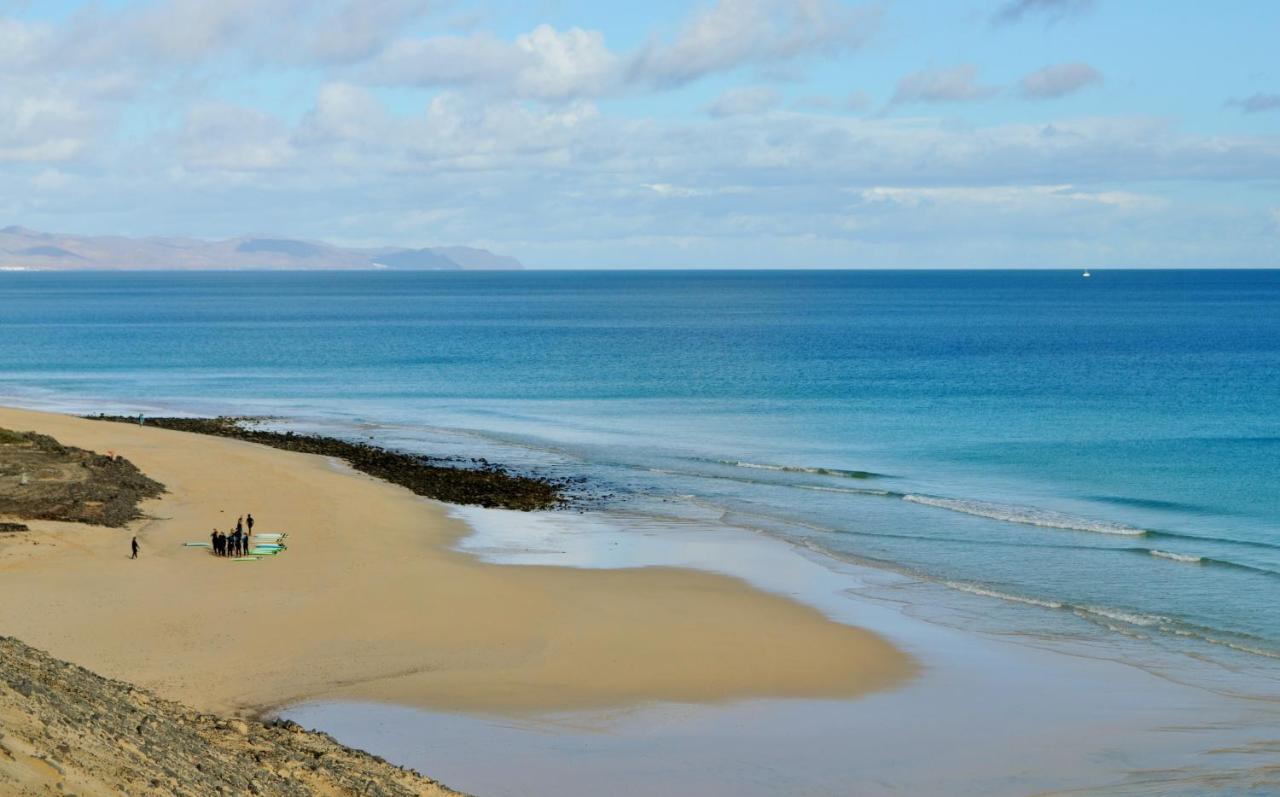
1086,274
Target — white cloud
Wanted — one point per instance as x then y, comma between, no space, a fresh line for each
1059,80
43,125
180,32
543,64
49,180
345,112
744,100
855,101
358,29
1257,103
1007,196
22,45
222,137
574,63
193,33
549,64
679,191
731,33
447,61
953,84
104,125
1054,10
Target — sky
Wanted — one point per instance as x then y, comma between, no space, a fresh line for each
718,134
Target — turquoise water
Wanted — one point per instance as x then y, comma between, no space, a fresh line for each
1104,451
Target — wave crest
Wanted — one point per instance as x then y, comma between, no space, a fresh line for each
974,589
1177,557
1025,515
845,474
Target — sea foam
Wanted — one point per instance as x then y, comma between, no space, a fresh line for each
987,592
815,471
1178,557
1029,516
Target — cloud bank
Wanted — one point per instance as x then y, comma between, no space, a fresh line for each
740,132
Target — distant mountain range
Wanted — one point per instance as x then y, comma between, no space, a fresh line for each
21,248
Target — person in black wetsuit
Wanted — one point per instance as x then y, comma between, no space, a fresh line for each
134,546
213,542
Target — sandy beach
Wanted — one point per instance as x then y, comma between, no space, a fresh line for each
372,603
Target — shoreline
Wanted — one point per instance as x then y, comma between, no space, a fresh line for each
1178,643
990,714
477,482
1109,710
373,603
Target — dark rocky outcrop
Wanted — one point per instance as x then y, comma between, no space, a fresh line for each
476,482
41,479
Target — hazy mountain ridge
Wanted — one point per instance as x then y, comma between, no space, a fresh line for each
21,248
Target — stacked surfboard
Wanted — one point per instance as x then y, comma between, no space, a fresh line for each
266,544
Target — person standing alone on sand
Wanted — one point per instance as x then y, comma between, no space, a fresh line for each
249,522
134,546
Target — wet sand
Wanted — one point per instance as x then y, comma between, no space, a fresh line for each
371,602
991,714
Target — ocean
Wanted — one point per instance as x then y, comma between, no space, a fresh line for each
1092,460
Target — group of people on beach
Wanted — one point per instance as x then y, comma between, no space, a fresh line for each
237,542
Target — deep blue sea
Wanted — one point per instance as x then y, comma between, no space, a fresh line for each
1102,451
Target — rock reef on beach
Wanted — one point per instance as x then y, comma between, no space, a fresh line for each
41,479
471,482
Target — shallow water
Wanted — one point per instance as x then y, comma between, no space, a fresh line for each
990,714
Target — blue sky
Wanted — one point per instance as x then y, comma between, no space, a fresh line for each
725,133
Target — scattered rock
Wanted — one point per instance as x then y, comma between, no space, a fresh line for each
74,726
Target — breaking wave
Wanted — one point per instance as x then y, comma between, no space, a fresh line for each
1029,516
987,592
1177,557
844,474
1109,617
